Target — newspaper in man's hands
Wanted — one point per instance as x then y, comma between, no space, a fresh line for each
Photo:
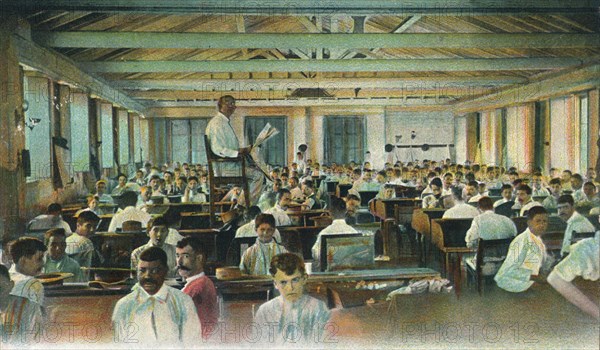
266,133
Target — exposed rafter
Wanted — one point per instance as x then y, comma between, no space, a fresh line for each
340,83
90,39
311,7
356,65
62,69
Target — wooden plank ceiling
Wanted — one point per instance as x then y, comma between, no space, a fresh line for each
428,53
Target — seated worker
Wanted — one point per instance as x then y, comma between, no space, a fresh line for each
352,206
179,185
524,201
577,187
527,256
458,208
130,213
583,261
57,260
52,219
162,315
489,225
472,192
21,319
506,193
434,200
589,196
190,265
249,230
268,198
278,210
157,232
192,192
295,316
311,201
295,190
338,226
551,202
157,195
575,221
103,197
139,178
79,246
92,205
122,186
538,189
257,258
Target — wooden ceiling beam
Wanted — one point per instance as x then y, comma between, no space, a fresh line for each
160,40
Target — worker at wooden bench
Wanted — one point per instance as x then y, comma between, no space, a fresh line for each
298,318
527,260
257,258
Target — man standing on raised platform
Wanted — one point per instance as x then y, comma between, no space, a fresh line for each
224,143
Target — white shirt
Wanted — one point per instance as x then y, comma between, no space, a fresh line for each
295,323
128,214
338,226
248,230
167,317
281,217
576,223
582,261
47,221
221,136
525,257
461,210
489,225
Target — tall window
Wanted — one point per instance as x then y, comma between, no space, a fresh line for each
274,151
37,131
106,124
344,139
584,121
187,137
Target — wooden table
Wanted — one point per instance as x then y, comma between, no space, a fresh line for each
449,236
340,286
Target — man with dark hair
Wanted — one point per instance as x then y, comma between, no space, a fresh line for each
524,201
565,179
310,197
489,225
122,186
190,265
527,256
52,219
192,192
575,221
278,211
434,200
506,192
577,187
256,259
159,314
57,260
157,230
28,257
224,143
21,318
472,192
101,187
79,246
460,209
338,226
300,317
551,202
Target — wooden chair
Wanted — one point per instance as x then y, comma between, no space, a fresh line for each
496,249
216,181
